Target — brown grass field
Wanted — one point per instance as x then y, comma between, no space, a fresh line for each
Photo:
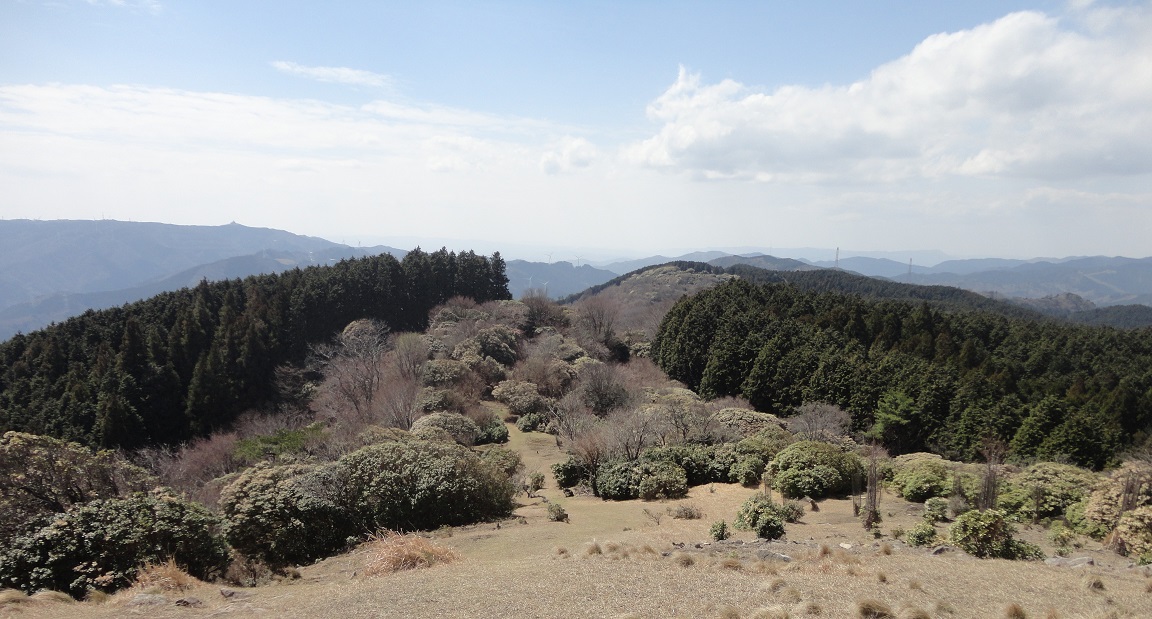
625,559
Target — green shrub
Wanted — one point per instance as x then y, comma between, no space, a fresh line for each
505,460
766,443
531,422
1097,514
719,531
696,460
462,429
443,373
492,432
814,469
285,441
1046,490
556,513
988,534
617,481
520,397
747,471
921,478
661,480
41,476
570,472
100,545
760,514
1135,532
936,509
791,511
923,534
421,485
286,514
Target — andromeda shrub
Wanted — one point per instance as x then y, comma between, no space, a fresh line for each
761,515
1046,490
1135,533
41,476
462,429
661,480
814,469
923,534
570,472
617,481
919,477
988,534
521,397
286,514
100,545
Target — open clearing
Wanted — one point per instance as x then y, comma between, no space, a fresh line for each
632,559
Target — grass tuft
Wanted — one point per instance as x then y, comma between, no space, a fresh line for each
913,612
165,576
729,612
390,552
885,548
731,564
47,595
1094,584
11,597
915,585
770,613
684,560
881,577
874,609
593,548
1015,611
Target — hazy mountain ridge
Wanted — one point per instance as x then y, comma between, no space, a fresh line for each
558,278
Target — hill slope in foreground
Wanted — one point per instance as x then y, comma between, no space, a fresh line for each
624,559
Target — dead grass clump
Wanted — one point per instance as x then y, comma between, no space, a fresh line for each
731,564
813,609
944,608
685,511
52,596
165,576
1015,611
593,548
885,548
776,585
1148,587
561,552
684,560
612,547
392,552
12,597
912,612
874,609
823,552
881,577
915,585
844,557
1094,584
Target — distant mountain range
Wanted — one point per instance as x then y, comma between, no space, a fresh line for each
51,270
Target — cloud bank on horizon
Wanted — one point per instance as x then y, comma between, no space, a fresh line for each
1026,135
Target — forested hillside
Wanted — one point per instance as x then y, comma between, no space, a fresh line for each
916,376
183,363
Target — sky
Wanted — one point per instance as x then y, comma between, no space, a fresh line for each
981,128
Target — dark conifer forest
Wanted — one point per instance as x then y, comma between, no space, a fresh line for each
918,375
178,365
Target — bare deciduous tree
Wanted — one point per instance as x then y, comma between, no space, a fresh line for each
410,355
400,401
819,421
633,430
355,363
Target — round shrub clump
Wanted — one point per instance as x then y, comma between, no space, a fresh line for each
101,545
923,534
285,514
617,481
462,429
696,460
661,480
570,472
1135,533
747,471
1046,490
763,516
919,477
814,469
988,534
936,509
521,397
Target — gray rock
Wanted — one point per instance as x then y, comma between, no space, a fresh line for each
190,602
939,550
768,555
1081,562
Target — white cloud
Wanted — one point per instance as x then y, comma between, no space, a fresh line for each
1028,95
335,75
568,154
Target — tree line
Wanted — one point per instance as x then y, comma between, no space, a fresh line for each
918,375
178,365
